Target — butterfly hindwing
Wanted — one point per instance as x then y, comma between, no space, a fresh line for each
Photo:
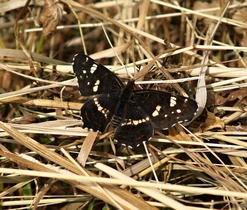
135,128
165,109
94,78
97,112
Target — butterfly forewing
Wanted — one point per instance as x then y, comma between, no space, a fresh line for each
94,78
165,109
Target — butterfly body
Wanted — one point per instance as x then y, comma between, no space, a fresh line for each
133,113
122,104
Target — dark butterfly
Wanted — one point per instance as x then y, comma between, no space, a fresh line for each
133,113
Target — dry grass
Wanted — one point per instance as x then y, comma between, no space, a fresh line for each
48,160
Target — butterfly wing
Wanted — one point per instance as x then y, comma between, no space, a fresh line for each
97,112
165,109
94,78
136,126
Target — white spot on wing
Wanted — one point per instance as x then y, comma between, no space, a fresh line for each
96,86
173,101
156,111
93,68
135,122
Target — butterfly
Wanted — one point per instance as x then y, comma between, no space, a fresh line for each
133,113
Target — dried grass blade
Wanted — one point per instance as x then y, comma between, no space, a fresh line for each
201,93
86,147
154,193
